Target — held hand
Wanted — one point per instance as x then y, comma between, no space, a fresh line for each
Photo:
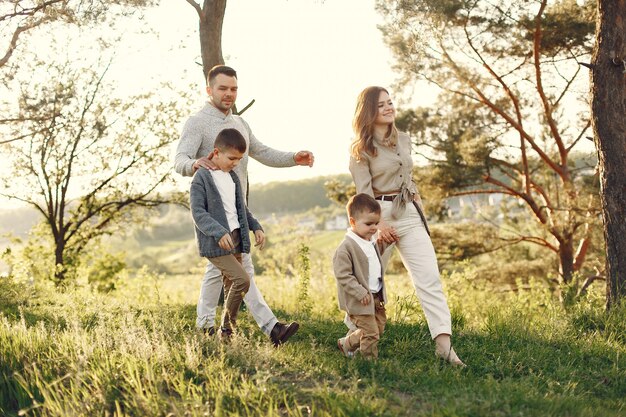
304,158
205,162
387,233
226,242
259,237
366,300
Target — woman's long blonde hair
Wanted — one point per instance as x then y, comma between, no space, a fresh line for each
363,123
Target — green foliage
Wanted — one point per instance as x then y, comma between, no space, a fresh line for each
89,158
24,16
32,259
567,25
13,296
463,140
501,126
103,275
280,255
460,241
339,190
305,303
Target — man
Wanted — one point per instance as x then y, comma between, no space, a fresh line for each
196,142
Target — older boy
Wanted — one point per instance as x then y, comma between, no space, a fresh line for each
359,274
223,222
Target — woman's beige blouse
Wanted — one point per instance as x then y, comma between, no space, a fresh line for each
390,172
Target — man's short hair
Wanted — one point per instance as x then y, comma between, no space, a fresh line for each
362,203
230,139
219,69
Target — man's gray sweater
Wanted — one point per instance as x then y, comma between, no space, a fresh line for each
198,138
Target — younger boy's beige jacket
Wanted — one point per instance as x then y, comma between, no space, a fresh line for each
351,272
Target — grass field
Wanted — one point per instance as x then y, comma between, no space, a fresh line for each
136,353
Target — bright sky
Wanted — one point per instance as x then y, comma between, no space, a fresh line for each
304,62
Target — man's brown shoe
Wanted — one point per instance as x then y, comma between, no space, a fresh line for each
281,332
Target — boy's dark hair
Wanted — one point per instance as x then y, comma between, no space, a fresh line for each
362,203
230,139
220,69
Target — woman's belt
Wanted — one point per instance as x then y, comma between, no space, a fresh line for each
386,197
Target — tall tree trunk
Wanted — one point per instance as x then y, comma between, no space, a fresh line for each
566,260
211,20
608,107
59,261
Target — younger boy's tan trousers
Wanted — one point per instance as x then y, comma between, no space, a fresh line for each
369,329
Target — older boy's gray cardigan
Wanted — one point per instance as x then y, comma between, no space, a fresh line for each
209,217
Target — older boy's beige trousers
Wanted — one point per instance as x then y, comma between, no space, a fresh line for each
369,329
236,283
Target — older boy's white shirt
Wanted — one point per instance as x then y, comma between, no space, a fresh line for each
226,187
374,266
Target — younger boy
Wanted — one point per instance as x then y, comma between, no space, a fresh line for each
359,274
223,222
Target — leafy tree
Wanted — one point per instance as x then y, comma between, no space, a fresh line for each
511,116
90,158
20,16
339,190
103,274
608,106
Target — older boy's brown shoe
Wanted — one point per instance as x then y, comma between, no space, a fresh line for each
225,334
281,332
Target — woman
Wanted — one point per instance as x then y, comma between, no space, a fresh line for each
381,166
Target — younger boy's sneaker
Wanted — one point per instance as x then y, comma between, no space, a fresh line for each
341,344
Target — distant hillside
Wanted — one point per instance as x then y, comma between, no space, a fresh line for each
17,221
265,199
291,196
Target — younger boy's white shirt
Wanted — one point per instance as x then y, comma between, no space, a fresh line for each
226,187
374,266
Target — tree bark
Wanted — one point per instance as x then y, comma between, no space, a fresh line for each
608,107
211,20
59,261
566,260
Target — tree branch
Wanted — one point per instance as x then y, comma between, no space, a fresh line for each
496,109
536,240
580,135
29,11
588,282
516,106
196,6
562,171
